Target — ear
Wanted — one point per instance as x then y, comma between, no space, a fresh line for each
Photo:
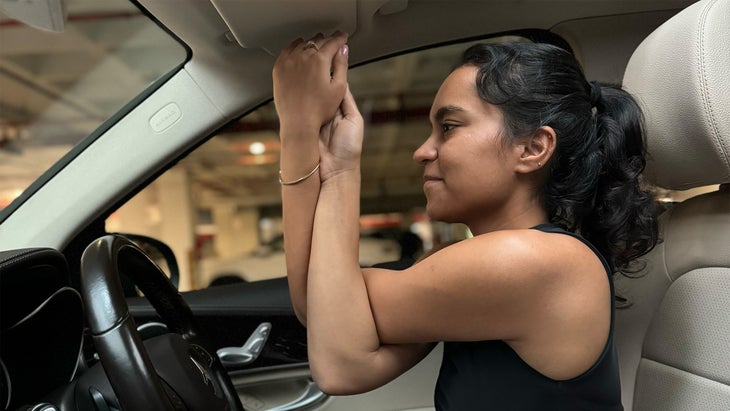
535,150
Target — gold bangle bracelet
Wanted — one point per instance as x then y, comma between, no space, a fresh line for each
298,180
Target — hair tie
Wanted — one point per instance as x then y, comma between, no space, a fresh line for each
596,94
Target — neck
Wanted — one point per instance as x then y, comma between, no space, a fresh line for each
515,215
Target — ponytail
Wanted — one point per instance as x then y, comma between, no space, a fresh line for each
621,218
592,184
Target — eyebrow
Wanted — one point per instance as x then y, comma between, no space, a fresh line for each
443,111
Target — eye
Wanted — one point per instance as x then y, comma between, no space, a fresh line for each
446,127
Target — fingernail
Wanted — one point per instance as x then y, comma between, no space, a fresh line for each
344,49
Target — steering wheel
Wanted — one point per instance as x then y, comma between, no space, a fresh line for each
185,374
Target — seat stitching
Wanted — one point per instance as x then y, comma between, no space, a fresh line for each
704,93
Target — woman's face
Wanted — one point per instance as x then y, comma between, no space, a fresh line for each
468,168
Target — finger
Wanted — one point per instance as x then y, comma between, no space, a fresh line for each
333,37
339,64
292,46
348,105
318,38
313,43
324,133
332,44
323,147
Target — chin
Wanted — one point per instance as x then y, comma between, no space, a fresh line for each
435,213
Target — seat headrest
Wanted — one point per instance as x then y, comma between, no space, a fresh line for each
680,74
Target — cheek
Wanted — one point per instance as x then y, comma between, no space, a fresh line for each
481,160
484,175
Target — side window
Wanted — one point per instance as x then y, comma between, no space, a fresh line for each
219,209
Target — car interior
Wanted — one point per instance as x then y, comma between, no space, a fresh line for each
141,258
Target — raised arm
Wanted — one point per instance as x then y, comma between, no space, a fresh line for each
321,137
345,351
306,98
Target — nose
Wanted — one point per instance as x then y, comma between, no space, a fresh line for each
426,152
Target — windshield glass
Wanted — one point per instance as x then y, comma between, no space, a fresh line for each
57,88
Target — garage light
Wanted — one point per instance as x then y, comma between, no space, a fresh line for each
257,148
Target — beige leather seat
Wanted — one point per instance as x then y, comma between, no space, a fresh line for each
674,339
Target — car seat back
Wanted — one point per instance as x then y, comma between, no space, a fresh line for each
673,338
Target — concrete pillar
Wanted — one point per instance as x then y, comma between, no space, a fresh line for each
236,230
164,211
177,223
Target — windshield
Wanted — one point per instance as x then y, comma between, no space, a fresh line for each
57,88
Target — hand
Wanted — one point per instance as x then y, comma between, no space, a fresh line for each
310,79
340,140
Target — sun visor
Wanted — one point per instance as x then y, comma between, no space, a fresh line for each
273,24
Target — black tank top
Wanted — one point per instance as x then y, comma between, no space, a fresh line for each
489,375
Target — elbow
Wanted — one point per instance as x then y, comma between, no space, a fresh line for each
333,380
331,387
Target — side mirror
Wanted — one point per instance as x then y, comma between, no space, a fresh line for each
158,252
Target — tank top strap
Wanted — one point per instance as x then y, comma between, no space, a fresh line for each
555,228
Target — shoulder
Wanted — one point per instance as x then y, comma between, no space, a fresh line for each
526,271
528,250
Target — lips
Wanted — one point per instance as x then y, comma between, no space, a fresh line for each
430,181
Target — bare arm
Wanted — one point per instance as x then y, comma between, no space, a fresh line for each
304,102
346,355
511,286
306,98
298,204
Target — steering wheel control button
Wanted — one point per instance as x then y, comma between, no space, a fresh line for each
206,378
200,354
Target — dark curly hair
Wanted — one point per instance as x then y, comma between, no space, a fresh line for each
592,187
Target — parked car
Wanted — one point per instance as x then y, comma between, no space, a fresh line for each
267,261
154,118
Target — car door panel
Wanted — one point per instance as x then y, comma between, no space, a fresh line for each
279,379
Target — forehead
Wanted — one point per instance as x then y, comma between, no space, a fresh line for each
460,82
458,92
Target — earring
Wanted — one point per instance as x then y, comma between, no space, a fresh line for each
539,164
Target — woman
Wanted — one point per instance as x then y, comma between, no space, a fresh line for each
525,152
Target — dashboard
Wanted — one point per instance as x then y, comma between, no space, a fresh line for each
41,326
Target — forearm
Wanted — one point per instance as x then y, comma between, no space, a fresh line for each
309,83
340,320
299,155
345,353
